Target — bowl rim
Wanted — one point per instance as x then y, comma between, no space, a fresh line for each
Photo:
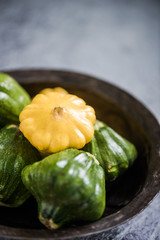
106,223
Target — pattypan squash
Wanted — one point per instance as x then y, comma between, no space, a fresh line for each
114,153
15,153
55,121
13,98
69,186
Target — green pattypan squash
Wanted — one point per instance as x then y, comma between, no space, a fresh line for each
13,98
15,153
69,186
114,153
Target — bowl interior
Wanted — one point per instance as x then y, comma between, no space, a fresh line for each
122,191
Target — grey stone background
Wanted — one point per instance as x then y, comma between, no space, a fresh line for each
116,40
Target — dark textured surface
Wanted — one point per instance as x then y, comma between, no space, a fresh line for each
115,40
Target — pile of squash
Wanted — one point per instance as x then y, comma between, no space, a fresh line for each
54,148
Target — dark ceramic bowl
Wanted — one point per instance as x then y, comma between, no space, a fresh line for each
132,192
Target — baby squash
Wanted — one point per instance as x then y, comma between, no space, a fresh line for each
15,153
55,121
13,98
114,153
69,186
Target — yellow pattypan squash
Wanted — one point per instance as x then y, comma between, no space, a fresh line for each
55,121
57,89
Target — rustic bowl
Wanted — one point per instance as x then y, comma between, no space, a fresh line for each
132,192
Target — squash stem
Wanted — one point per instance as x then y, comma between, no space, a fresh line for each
57,113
